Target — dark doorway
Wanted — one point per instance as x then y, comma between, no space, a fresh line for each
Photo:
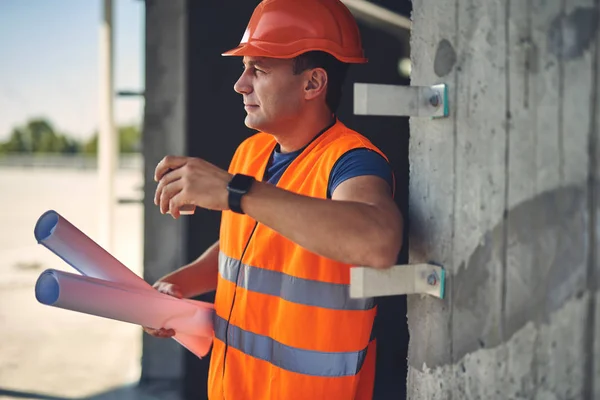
215,126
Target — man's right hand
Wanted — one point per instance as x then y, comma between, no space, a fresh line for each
171,290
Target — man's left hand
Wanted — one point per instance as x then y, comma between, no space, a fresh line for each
187,180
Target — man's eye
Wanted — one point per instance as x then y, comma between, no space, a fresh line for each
253,69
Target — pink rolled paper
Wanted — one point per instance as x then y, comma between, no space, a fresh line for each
198,345
70,244
82,253
123,303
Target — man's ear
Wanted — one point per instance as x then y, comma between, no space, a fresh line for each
316,83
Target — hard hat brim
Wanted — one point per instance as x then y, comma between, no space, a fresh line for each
251,50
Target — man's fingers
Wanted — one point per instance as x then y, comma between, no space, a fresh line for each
175,204
172,290
168,192
165,333
175,292
160,333
151,331
168,163
180,203
169,177
169,288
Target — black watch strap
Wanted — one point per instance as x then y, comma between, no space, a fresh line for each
238,186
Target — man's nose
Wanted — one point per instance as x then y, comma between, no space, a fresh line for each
243,86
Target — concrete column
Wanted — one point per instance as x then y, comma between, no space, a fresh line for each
164,133
504,194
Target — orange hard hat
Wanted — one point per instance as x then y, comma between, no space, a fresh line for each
288,28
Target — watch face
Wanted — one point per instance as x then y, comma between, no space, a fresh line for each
240,183
238,186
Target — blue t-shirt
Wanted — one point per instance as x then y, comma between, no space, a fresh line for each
356,162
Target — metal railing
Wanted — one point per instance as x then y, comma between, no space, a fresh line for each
77,161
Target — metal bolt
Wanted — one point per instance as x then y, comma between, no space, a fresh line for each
434,100
432,279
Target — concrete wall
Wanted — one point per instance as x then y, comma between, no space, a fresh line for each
504,194
164,133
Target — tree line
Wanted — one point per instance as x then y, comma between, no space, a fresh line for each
38,135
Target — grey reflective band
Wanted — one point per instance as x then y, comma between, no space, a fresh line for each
297,290
307,362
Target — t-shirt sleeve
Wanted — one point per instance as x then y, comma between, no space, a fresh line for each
359,162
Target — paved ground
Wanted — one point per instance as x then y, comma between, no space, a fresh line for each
47,352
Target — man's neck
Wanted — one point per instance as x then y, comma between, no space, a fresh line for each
300,133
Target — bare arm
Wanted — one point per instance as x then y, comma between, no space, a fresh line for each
199,276
361,225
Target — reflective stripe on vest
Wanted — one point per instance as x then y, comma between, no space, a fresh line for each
297,290
308,362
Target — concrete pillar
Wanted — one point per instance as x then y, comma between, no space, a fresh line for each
504,194
164,133
108,144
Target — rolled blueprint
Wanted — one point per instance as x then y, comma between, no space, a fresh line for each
198,345
122,303
82,253
109,289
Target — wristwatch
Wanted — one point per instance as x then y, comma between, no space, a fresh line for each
237,187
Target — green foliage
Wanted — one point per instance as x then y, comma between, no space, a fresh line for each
38,136
130,139
91,146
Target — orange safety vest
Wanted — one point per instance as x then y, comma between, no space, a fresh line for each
285,326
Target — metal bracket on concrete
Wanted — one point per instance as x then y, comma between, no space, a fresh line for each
400,279
401,101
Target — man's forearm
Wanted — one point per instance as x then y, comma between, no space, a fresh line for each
199,276
350,232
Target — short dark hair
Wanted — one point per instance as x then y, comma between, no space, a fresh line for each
336,73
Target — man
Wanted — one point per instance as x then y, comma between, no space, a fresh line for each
303,200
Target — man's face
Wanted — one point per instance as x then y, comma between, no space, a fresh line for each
273,95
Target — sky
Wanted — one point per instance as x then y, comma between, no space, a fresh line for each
49,54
